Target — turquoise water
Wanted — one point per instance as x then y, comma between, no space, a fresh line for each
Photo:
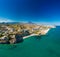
44,46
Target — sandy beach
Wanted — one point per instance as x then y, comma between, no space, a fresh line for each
43,32
29,36
46,31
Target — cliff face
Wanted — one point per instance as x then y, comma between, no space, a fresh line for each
15,38
16,32
19,38
4,40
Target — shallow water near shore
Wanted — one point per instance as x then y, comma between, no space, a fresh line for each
41,46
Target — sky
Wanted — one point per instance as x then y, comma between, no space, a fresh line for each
39,11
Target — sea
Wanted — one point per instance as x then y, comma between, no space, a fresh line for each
36,46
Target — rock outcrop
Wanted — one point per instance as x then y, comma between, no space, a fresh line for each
19,38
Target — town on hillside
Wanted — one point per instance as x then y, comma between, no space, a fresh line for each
11,33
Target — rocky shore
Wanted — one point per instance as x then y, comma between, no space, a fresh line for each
43,32
11,39
15,33
16,38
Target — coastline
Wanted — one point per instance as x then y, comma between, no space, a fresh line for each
29,36
43,33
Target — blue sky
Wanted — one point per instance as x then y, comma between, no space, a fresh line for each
40,11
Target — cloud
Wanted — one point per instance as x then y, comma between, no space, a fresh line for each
5,20
49,23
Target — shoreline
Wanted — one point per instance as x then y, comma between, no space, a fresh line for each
29,36
44,32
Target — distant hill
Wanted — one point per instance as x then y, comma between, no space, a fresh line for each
9,23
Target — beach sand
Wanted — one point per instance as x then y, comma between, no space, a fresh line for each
43,32
29,36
